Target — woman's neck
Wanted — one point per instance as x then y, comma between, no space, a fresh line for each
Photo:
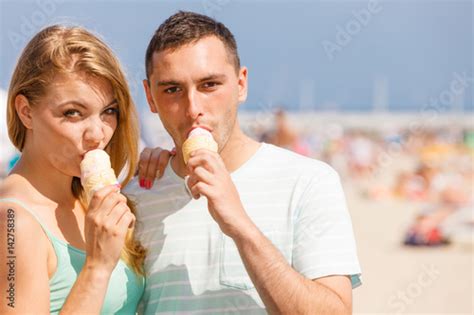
46,184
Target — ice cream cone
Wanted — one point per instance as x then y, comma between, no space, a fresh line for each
198,139
96,172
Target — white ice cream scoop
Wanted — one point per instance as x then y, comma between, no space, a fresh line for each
96,172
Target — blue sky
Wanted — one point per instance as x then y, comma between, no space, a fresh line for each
300,54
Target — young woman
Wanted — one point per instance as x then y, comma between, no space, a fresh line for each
68,95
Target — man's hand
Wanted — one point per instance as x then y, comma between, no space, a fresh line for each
208,176
272,275
152,165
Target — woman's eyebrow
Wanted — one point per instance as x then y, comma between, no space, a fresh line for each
114,102
73,102
80,104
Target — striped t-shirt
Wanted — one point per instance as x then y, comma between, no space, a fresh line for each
192,267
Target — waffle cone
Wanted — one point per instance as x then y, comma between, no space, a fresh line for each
195,143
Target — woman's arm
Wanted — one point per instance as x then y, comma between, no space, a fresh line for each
106,225
24,246
24,287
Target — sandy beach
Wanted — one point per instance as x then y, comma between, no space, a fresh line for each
396,279
402,280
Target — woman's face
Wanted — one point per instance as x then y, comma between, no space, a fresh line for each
78,113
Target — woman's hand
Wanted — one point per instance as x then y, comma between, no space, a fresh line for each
106,225
152,165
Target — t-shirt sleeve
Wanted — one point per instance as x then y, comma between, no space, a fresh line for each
324,241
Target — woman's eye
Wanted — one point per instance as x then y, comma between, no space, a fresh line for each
111,111
72,113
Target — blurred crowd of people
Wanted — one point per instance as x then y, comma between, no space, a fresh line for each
431,167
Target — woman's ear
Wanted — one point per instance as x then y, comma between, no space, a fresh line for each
23,109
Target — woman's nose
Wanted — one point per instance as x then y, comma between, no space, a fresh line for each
94,133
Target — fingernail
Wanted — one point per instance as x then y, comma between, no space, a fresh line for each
148,184
142,183
173,151
118,185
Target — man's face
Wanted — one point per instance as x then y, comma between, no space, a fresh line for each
196,85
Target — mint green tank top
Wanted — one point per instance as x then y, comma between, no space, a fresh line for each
125,286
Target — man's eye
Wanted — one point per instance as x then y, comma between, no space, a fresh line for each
210,84
72,113
172,90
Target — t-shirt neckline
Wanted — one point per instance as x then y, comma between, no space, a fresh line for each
175,177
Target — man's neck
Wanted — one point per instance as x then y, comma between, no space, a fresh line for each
238,150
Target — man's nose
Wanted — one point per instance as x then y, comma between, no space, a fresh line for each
194,108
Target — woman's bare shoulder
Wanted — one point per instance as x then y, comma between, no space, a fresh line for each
24,244
12,186
14,212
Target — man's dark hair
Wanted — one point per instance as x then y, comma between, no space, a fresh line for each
187,27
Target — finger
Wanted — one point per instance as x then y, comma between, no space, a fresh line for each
200,174
111,201
143,165
200,188
127,221
190,181
152,167
204,159
205,152
116,213
163,162
100,195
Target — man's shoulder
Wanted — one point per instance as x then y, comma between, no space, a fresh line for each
285,158
162,191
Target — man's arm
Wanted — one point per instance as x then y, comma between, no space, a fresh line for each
282,289
285,291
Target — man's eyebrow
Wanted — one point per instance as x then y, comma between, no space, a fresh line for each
212,76
167,82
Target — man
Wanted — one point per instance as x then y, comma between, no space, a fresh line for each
270,231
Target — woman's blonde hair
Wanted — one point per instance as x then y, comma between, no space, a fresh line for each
60,49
